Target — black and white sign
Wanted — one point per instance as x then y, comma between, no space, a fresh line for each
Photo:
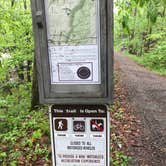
60,124
79,126
80,135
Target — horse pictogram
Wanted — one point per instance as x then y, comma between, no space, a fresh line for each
97,125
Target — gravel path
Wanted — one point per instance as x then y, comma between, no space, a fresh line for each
147,94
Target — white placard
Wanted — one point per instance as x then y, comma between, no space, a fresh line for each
67,60
78,138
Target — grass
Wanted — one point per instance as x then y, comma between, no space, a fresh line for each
154,60
150,62
24,136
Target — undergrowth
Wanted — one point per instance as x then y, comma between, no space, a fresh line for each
118,156
24,136
154,60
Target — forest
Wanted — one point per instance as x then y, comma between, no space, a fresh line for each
139,32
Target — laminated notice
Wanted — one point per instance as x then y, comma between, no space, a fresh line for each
73,41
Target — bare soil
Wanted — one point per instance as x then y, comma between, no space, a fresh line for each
146,93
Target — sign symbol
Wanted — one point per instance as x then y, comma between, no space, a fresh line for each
97,125
83,72
60,124
79,126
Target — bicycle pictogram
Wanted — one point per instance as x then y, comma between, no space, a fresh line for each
79,126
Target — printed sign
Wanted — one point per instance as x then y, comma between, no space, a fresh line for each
73,43
79,126
97,125
60,124
80,135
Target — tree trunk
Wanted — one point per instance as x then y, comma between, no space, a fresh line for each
20,72
131,48
149,40
12,3
25,4
28,68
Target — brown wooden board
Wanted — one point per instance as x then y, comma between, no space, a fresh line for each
74,93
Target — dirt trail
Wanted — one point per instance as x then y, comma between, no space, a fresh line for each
147,94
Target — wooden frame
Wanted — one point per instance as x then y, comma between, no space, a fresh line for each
74,94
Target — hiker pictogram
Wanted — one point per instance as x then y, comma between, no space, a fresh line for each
61,124
97,125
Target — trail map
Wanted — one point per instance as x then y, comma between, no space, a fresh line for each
73,40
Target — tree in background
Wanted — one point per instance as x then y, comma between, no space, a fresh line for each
137,19
140,28
16,37
17,44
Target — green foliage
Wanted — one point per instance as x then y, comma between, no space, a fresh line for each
146,31
155,60
24,134
121,159
16,40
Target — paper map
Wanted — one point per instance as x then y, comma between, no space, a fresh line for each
73,41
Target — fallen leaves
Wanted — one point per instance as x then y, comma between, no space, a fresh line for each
124,125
